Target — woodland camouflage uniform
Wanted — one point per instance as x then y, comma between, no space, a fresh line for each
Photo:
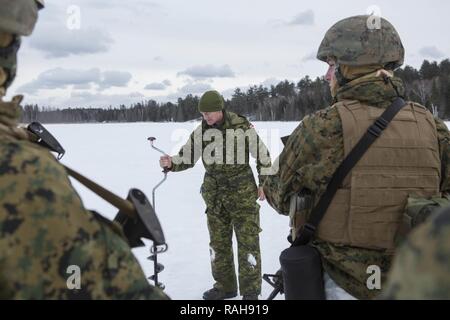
44,228
316,147
421,267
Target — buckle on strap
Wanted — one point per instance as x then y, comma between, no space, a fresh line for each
378,127
304,235
309,229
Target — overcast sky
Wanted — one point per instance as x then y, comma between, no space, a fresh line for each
127,51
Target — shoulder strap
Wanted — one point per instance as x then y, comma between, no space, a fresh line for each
306,233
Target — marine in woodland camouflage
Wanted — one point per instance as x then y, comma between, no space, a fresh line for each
45,230
311,156
51,247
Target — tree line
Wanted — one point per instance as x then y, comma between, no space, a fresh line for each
285,101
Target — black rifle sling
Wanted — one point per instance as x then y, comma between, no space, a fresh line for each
306,233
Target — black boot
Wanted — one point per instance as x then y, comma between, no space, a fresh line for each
216,294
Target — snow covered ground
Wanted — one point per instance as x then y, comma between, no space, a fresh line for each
119,157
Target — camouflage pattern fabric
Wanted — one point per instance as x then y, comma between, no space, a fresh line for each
362,41
421,267
311,156
44,230
417,211
18,17
230,194
245,222
9,45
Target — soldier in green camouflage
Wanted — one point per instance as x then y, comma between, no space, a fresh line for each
421,267
359,227
51,247
224,140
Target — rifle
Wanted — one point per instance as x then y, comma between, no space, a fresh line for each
276,281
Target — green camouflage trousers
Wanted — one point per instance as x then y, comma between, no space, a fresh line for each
234,209
246,228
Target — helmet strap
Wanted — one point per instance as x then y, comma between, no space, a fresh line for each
395,87
8,60
341,80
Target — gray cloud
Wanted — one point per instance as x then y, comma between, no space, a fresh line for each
194,88
155,86
270,82
156,36
119,10
59,78
114,79
312,56
276,23
83,86
64,42
228,93
305,18
136,7
54,78
158,85
208,71
432,52
87,99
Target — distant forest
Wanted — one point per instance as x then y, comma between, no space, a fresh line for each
286,101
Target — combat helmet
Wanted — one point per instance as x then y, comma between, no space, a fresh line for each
17,18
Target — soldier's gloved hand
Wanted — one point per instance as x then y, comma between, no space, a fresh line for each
261,195
165,162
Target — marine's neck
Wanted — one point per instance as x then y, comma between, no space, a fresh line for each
372,90
9,119
3,77
10,111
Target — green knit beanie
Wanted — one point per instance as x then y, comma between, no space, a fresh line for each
211,101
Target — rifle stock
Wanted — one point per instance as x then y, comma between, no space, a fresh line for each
276,281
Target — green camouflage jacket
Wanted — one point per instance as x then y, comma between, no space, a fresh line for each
220,161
